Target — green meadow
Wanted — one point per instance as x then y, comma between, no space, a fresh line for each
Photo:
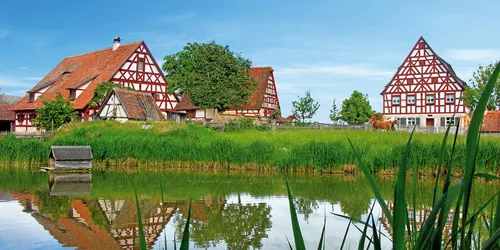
115,145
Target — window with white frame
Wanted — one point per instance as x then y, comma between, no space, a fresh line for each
429,99
396,100
450,98
140,65
411,121
450,120
411,99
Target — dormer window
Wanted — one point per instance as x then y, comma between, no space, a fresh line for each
72,94
31,97
140,65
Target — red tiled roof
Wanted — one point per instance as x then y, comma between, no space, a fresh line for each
491,122
261,75
76,69
138,105
6,103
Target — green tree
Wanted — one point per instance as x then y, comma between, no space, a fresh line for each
476,86
212,75
356,109
306,107
54,113
102,90
334,113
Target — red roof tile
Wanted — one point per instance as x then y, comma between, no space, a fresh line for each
76,69
6,103
491,122
261,75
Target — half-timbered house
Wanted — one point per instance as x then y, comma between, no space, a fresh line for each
131,65
425,91
7,117
263,102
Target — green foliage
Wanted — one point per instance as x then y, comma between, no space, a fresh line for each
305,107
102,90
54,113
476,86
356,109
211,75
334,113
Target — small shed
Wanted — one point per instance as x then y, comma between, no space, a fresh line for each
71,157
70,184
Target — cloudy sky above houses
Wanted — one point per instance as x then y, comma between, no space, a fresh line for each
329,47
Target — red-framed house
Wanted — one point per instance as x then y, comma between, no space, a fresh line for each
425,91
76,77
262,103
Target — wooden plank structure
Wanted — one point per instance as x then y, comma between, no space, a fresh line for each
70,184
71,157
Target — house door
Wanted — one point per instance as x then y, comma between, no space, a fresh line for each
429,122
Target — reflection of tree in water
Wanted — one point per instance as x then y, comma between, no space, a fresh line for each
305,206
241,226
355,207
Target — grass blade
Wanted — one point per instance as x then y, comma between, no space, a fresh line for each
427,232
473,142
441,161
321,239
361,244
376,240
400,205
493,242
185,234
163,212
486,176
374,187
297,233
495,225
142,237
345,234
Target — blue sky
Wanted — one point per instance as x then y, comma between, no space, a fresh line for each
329,47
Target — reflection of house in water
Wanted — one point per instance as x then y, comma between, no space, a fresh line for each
420,215
81,227
122,220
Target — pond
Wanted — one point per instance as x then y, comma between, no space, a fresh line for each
230,210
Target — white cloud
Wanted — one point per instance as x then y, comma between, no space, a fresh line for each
32,78
17,85
4,33
22,68
335,70
476,55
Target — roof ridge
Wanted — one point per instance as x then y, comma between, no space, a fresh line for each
100,50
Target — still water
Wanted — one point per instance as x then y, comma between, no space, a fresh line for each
230,210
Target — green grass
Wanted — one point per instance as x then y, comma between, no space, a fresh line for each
114,144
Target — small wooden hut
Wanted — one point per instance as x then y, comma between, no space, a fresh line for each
71,157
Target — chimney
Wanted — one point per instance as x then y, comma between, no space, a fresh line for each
116,43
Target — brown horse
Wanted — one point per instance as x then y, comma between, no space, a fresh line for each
388,125
288,119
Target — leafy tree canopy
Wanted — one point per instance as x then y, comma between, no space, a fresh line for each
54,113
102,90
305,107
356,109
334,113
476,87
212,75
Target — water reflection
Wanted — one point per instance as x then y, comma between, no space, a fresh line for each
70,184
229,211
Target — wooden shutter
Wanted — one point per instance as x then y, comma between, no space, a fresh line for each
443,122
457,121
417,121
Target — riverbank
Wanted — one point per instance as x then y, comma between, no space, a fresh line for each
116,146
